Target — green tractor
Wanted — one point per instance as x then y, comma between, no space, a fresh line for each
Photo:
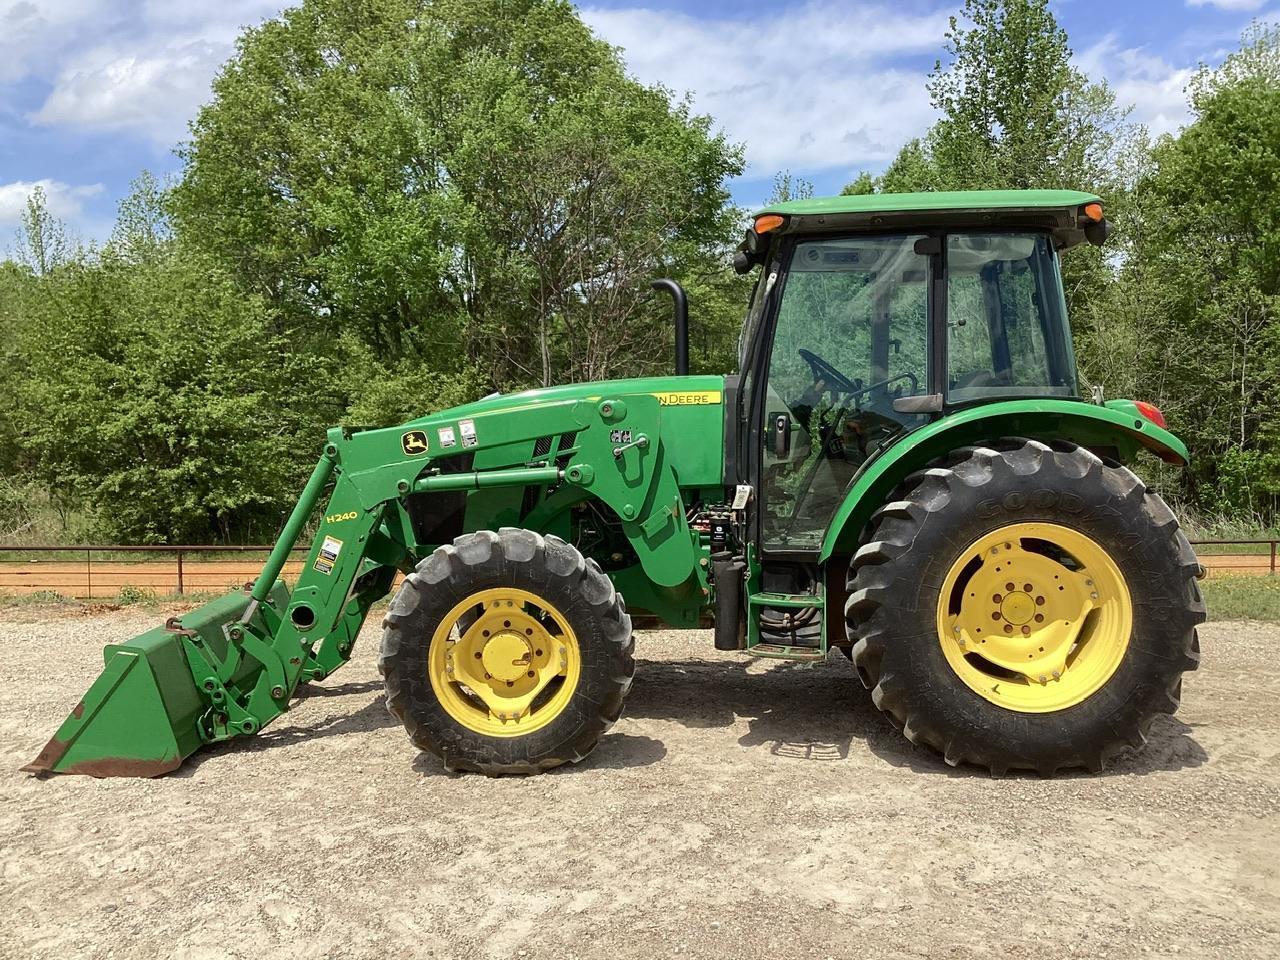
903,468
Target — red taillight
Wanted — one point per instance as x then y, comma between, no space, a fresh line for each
1151,412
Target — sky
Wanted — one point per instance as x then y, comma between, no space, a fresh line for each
93,92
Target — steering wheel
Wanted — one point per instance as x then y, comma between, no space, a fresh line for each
834,379
828,374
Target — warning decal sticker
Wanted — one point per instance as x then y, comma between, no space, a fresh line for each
328,556
447,437
468,430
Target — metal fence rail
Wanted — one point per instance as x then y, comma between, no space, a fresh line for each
1212,560
184,568
75,576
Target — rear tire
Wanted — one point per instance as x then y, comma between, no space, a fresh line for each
897,613
516,563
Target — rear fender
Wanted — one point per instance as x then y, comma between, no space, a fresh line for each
1118,427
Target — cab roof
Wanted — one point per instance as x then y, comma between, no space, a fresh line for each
1057,210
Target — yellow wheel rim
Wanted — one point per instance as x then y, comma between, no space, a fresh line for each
1035,617
504,662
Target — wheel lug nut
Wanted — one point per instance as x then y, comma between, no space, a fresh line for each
1008,628
1026,631
1039,618
1026,587
1010,587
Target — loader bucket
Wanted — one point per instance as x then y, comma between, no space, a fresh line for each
142,716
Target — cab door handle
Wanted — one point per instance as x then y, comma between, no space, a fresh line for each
780,424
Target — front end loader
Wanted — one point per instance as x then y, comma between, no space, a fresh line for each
903,468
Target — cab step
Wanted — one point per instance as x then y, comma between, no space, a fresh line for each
786,625
778,651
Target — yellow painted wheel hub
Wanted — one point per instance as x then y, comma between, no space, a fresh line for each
504,662
1035,617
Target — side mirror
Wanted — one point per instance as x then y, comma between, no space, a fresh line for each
780,425
750,252
1097,233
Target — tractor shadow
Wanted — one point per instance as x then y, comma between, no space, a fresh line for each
372,716
615,751
819,712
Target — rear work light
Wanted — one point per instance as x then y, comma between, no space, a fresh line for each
1151,412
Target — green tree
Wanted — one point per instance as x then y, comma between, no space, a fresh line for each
460,185
861,185
1205,273
155,394
787,186
15,282
1016,114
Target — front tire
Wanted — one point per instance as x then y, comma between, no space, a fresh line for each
1024,606
507,653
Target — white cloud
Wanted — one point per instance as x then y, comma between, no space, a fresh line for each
810,88
140,65
1154,87
1228,4
34,33
63,200
151,91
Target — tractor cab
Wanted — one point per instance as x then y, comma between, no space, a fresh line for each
873,316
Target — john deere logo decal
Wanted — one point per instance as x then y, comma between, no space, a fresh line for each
414,443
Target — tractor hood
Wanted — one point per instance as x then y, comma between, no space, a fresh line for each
670,391
692,416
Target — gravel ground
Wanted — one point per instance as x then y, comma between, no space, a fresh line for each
741,808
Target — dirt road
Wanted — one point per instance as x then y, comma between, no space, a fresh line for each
741,809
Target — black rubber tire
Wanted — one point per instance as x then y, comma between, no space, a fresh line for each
548,567
911,544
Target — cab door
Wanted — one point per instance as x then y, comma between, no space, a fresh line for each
850,336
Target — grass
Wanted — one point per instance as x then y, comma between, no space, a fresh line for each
1242,598
128,596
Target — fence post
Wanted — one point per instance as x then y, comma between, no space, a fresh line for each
88,571
179,573
1273,557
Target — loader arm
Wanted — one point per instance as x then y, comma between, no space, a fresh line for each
231,667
